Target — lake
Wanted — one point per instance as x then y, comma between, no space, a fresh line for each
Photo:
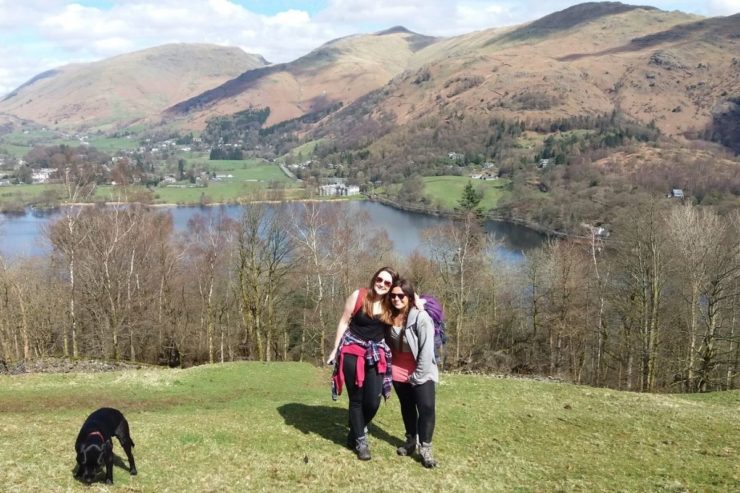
24,234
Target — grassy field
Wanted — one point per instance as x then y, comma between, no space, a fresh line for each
448,190
19,143
114,144
270,427
250,169
17,197
250,178
306,150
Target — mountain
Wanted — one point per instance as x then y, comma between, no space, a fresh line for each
125,89
339,71
674,71
614,99
670,69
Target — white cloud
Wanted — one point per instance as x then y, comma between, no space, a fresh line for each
292,18
723,7
62,30
15,14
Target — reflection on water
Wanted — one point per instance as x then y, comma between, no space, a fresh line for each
24,234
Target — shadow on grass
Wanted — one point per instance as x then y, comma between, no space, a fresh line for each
100,475
328,422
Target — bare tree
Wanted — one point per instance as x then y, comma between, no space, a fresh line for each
263,264
208,243
642,260
314,230
66,239
456,249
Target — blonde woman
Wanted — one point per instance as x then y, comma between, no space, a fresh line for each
361,357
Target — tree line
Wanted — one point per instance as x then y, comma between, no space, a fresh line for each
654,308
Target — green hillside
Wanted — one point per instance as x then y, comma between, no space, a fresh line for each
271,427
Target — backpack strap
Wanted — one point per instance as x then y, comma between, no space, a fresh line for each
360,299
415,326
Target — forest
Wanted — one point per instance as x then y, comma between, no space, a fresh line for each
654,307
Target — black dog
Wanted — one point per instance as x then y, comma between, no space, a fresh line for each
95,448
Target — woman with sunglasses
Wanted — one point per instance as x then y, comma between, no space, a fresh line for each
361,357
414,370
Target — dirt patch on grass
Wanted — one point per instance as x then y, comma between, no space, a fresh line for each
64,365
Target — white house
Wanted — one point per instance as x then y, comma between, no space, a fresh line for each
338,189
42,175
677,193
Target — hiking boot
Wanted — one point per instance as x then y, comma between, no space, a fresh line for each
362,448
351,440
425,450
409,447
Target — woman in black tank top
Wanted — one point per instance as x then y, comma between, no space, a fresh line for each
361,358
367,328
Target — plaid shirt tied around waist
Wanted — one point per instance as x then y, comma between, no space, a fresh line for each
376,354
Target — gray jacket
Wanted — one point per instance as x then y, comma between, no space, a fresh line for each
419,335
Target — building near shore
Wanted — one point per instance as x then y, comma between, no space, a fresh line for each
338,189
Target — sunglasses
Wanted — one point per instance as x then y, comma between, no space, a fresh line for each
400,296
384,282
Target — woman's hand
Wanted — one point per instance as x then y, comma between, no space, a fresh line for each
332,355
419,302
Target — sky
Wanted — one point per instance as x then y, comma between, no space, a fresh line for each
38,35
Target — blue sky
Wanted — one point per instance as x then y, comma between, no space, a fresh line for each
37,35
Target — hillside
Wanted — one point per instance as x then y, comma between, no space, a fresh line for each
123,90
274,426
339,71
669,68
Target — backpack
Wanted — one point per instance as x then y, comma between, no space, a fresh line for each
434,308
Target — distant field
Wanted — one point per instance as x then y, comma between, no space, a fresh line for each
113,144
305,150
214,192
448,190
19,143
273,427
16,150
250,169
18,196
252,179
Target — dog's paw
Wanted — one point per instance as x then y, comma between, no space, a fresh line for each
133,471
108,481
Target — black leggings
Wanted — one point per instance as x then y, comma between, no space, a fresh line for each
363,401
417,408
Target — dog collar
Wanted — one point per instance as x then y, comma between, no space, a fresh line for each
102,438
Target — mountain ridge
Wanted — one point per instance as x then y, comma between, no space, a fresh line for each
127,88
338,71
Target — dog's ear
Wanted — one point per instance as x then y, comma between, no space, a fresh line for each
80,458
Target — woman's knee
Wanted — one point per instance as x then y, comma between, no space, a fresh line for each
425,408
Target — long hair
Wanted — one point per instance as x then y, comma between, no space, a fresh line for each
408,289
372,296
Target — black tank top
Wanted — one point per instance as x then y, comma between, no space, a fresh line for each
367,328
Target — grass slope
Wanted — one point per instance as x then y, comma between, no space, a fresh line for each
269,427
449,189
